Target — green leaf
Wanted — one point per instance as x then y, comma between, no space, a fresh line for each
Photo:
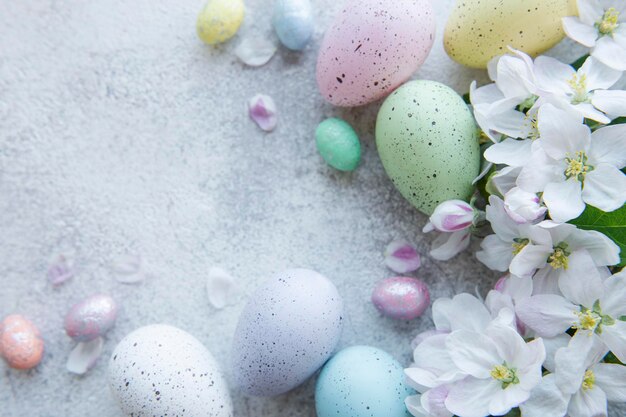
618,121
612,224
579,62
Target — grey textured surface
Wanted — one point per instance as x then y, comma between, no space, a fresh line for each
120,132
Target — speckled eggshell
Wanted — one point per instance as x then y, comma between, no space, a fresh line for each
478,30
428,143
21,344
361,381
372,47
160,370
286,332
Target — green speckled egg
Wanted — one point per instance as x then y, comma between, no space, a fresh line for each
428,142
478,30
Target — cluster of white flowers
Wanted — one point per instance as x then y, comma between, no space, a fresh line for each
553,148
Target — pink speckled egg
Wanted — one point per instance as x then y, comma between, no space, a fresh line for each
401,298
372,47
21,344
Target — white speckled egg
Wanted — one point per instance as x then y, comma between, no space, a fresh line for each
372,47
361,381
427,140
288,329
160,370
293,23
479,30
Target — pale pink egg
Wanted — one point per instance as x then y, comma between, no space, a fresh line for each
372,47
21,344
401,298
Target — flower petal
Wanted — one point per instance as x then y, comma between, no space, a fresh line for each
570,362
612,302
496,254
564,200
448,245
599,75
615,338
609,52
471,397
84,356
612,102
611,378
603,250
552,345
608,146
473,353
579,31
413,404
545,400
402,257
530,258
587,403
262,110
219,286
590,11
60,271
128,269
605,188
463,312
549,315
255,51
580,282
540,171
552,75
562,132
512,152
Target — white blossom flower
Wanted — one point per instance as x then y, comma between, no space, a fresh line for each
585,91
523,207
578,391
595,311
573,167
429,404
601,25
506,293
502,369
451,216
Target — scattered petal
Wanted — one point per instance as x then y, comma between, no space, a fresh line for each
255,51
401,257
219,286
128,268
262,110
84,356
60,271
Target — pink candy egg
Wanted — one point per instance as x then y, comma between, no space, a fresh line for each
401,298
91,318
21,344
372,47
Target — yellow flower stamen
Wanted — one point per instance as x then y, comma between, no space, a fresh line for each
558,259
504,374
609,22
589,380
578,84
588,320
518,245
577,166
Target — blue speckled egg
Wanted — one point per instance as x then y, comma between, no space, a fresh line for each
286,332
293,23
362,381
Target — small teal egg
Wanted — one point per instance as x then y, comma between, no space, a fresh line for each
293,23
338,144
362,381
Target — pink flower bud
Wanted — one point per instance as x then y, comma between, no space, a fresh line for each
451,216
523,207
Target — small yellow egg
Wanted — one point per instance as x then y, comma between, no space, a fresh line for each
219,20
478,30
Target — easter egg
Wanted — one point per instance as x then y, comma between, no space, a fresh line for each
286,332
401,298
338,144
372,47
293,23
428,143
160,370
478,30
361,381
21,344
91,318
219,20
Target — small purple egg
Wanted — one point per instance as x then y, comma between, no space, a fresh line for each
91,318
401,298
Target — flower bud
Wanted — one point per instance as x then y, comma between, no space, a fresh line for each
451,216
523,207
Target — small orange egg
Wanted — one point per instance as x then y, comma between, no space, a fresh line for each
21,344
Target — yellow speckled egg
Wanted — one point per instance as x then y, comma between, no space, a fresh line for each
479,30
219,20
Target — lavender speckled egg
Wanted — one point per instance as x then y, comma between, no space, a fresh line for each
372,47
361,381
91,318
401,298
160,370
293,23
288,329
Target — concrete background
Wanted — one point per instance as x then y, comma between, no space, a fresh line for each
121,133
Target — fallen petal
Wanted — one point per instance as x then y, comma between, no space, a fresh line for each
219,287
401,257
60,271
256,51
262,110
128,269
84,356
